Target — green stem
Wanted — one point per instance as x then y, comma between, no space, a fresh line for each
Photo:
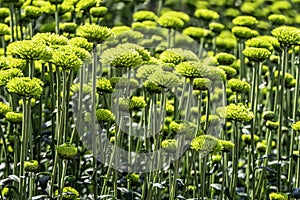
56,19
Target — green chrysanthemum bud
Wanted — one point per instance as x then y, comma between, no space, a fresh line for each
32,12
121,58
3,62
286,35
271,40
296,126
165,80
4,108
237,112
225,42
216,159
206,144
171,22
103,85
278,196
144,15
256,54
146,70
4,12
145,24
4,30
259,42
85,5
232,12
120,29
98,12
206,14
66,59
247,138
191,69
152,88
14,117
169,145
50,39
215,73
104,115
29,50
181,15
68,193
216,27
278,19
133,104
267,115
212,119
291,84
245,21
239,86
272,125
145,54
244,33
31,166
230,71
227,145
68,27
261,147
123,83
225,58
66,151
82,43
94,33
25,86
177,56
195,32
184,128
201,84
6,75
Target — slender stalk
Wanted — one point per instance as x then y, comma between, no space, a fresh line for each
56,19
235,161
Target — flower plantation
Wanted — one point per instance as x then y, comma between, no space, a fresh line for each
167,99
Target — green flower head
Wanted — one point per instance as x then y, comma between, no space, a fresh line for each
32,12
4,30
216,27
212,119
227,145
177,55
191,69
145,54
98,12
103,85
6,75
68,27
256,54
145,71
4,108
201,84
4,12
66,59
69,193
206,14
235,112
31,166
296,126
267,115
144,15
66,151
3,62
261,147
25,86
271,40
245,21
120,58
169,145
247,138
215,73
239,86
169,21
14,117
85,4
225,42
50,39
230,71
123,83
94,33
29,50
82,43
152,88
259,42
165,80
104,116
133,104
55,2
184,128
181,15
278,19
278,196
120,29
272,125
244,33
195,32
286,35
206,144
225,58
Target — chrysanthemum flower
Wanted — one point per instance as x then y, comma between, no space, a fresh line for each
225,58
152,88
121,58
4,30
68,27
206,144
267,115
259,42
69,193
120,29
278,196
104,115
244,33
212,119
256,54
16,63
98,12
245,21
165,80
85,5
239,86
171,22
25,86
55,2
145,54
29,50
184,128
133,104
144,15
4,108
237,112
32,12
195,32
296,126
82,43
103,85
177,55
181,15
206,14
230,71
216,27
278,19
191,69
169,145
215,73
124,83
286,35
14,117
272,125
94,33
225,42
227,145
4,12
146,70
66,59
66,151
201,84
6,75
247,138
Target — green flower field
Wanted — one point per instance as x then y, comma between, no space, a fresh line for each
149,99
